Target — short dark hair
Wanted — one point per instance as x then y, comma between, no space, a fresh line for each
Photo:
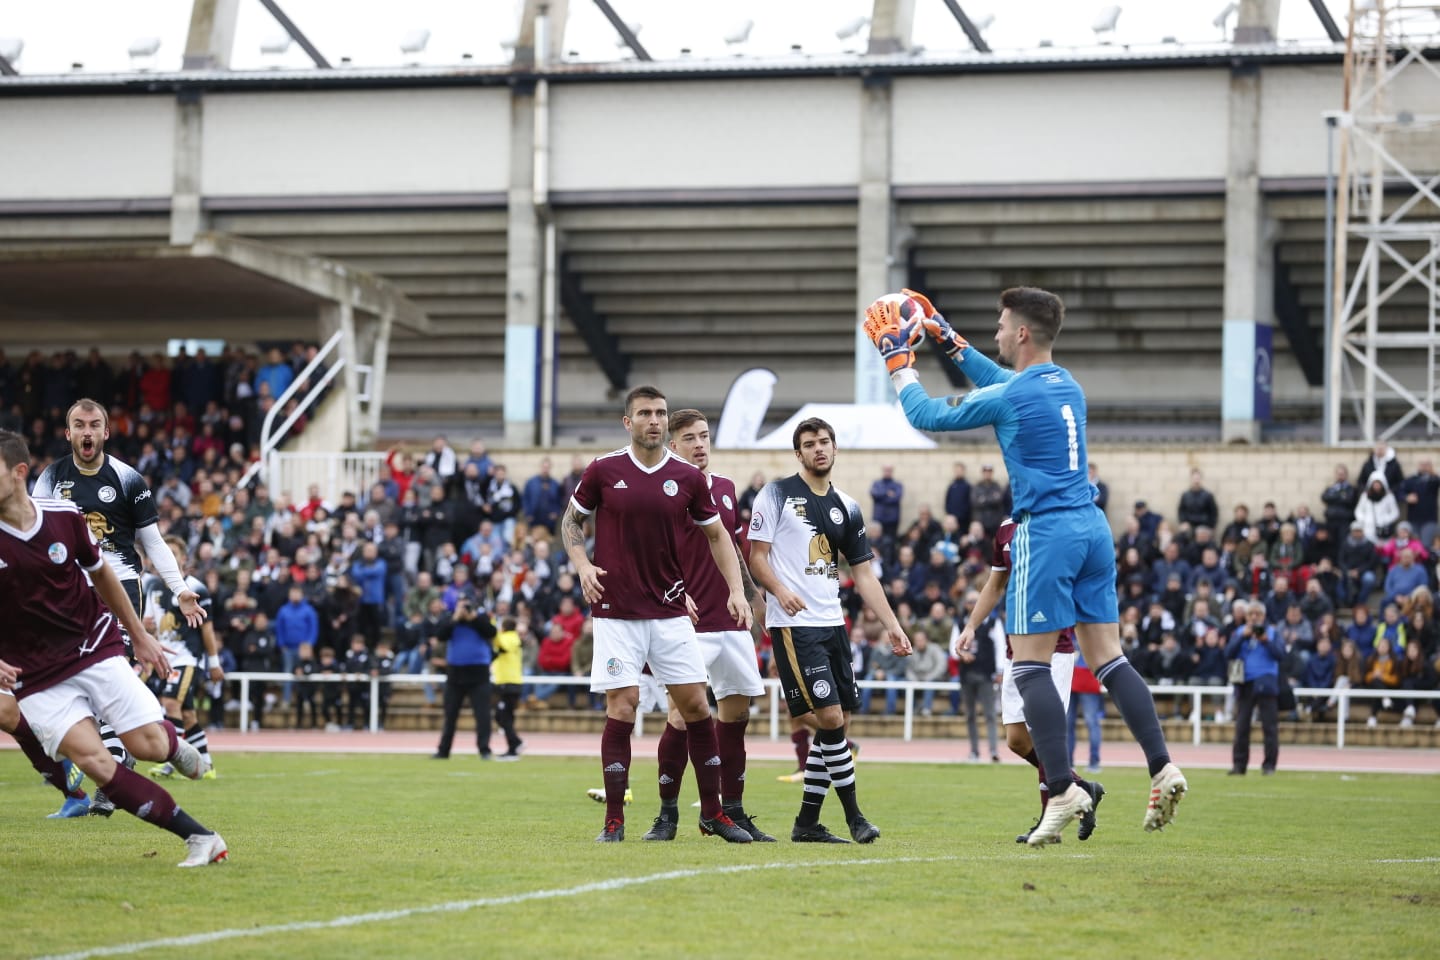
642,392
85,403
811,425
1040,310
681,419
13,449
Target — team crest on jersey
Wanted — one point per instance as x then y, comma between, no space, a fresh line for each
58,553
836,517
671,488
612,666
725,499
106,494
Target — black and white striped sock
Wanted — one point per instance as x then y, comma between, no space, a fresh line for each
817,784
195,736
841,767
111,739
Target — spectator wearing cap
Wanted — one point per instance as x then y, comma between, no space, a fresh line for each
1358,563
989,502
1149,520
1197,505
957,498
1421,493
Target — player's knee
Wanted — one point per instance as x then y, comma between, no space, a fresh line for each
1017,738
9,714
830,718
674,719
147,743
622,704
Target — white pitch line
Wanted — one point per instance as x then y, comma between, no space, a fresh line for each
1419,860
459,906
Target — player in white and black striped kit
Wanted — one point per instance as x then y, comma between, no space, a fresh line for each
797,526
120,511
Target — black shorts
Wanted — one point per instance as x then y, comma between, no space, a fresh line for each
815,668
180,686
132,590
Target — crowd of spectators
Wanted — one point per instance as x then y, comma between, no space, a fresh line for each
365,582
1350,594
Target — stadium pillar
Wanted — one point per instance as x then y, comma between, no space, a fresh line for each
522,283
891,23
1247,383
186,216
875,271
212,34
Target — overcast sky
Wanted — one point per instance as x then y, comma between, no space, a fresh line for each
98,33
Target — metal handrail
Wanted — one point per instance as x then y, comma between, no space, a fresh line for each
270,439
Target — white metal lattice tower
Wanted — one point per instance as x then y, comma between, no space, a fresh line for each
1381,319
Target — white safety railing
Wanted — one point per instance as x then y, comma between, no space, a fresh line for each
271,436
1197,694
335,473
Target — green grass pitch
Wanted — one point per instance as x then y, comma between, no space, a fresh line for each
431,859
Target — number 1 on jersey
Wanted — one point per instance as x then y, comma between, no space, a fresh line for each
1072,434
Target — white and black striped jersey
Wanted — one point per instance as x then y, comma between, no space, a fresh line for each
805,532
183,644
116,502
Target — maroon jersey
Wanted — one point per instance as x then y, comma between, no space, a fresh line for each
638,512
1001,561
55,623
703,580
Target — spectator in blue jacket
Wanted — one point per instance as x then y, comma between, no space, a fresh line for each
1404,577
544,499
370,573
276,372
1260,649
1320,674
887,493
296,622
957,498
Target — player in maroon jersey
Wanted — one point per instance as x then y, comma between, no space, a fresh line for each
729,653
1012,706
639,495
62,656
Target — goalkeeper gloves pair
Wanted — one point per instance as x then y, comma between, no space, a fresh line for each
896,331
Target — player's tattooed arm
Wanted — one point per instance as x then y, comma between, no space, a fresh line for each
752,592
572,529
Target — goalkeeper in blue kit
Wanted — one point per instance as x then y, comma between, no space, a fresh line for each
1062,556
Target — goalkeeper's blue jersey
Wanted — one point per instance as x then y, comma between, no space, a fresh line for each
1039,420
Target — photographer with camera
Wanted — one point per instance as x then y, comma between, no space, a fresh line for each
466,635
1255,652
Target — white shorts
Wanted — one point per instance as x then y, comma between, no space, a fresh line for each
623,647
730,659
107,689
652,695
1012,706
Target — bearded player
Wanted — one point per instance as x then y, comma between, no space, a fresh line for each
120,510
729,654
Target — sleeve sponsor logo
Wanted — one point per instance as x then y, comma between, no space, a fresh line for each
725,499
756,521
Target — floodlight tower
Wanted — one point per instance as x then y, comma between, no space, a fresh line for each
1388,202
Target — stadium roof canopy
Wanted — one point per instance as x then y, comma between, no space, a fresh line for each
432,39
213,287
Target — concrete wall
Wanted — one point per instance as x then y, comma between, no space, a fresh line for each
747,133
80,148
1289,476
362,141
1105,125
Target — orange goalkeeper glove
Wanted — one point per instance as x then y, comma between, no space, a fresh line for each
891,333
934,324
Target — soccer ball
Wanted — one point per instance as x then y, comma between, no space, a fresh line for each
880,316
